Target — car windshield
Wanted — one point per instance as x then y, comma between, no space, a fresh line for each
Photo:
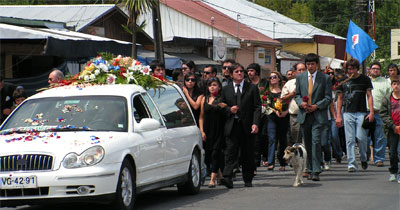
97,113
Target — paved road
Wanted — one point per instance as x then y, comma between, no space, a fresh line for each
337,190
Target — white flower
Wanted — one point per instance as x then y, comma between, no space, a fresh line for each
96,72
129,75
111,79
103,67
86,77
92,77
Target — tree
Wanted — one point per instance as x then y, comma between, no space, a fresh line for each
136,8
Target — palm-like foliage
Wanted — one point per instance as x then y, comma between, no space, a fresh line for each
136,8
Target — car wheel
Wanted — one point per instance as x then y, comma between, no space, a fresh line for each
192,185
126,188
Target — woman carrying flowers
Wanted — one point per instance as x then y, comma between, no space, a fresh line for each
278,120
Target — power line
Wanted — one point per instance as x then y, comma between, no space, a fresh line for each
288,23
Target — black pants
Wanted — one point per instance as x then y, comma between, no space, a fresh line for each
393,140
261,142
239,140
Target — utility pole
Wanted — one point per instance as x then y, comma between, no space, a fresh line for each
371,20
157,33
361,6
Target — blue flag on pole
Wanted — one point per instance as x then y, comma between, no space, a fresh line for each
359,44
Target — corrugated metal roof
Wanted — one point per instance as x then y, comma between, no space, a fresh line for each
203,13
75,16
17,32
266,21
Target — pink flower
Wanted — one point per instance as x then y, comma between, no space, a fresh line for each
111,79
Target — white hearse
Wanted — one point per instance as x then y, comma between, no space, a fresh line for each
99,143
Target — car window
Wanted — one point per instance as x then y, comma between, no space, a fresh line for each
139,109
102,113
173,107
152,108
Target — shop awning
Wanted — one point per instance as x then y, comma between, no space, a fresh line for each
70,44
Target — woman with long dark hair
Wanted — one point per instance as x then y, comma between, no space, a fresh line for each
193,94
212,127
278,120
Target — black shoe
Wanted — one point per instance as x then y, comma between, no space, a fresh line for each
338,160
227,182
248,184
315,177
364,164
211,186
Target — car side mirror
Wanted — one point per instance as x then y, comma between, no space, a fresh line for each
147,124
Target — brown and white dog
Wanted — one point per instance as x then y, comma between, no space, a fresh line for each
297,157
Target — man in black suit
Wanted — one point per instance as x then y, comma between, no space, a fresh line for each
242,120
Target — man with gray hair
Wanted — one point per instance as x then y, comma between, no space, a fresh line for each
55,76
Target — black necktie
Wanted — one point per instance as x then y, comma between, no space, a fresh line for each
238,94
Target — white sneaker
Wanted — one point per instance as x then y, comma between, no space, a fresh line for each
327,166
351,169
392,177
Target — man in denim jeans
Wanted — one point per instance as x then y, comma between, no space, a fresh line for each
381,88
351,94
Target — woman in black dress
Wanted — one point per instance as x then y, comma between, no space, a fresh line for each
193,94
212,127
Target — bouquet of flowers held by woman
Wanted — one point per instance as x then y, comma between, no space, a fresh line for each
109,69
271,104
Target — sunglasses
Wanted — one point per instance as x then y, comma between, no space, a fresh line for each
273,77
238,71
190,79
185,68
225,67
330,73
206,72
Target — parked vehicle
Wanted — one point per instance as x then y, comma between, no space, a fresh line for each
101,143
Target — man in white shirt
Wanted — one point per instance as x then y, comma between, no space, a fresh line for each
288,92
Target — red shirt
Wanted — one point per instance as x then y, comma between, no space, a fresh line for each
395,103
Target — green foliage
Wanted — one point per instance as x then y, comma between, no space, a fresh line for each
334,16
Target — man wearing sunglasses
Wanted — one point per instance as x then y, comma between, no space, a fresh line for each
313,96
242,121
209,72
226,75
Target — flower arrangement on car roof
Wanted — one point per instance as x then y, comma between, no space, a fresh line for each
109,69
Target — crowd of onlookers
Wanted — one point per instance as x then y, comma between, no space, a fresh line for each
332,111
247,120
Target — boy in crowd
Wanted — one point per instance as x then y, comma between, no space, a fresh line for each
390,114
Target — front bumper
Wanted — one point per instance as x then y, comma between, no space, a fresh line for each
64,184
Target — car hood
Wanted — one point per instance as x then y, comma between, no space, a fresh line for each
57,143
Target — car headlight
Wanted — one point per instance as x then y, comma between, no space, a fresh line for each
89,157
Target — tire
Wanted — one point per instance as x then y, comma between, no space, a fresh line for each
126,188
192,185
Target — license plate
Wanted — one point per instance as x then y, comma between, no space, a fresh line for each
14,182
